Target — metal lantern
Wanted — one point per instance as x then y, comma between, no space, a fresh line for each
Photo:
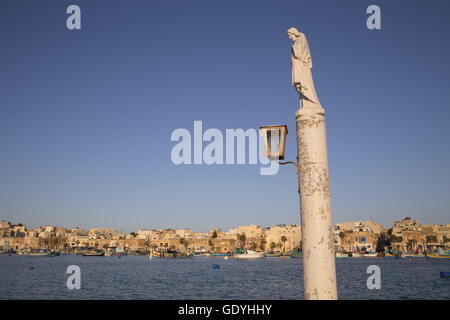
274,141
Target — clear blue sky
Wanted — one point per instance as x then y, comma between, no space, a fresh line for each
86,116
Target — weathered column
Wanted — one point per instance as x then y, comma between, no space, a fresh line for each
319,271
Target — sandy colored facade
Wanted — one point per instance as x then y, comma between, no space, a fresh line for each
357,241
275,235
405,235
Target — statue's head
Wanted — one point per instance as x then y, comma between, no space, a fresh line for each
293,34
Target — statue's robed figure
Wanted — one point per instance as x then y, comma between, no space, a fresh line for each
319,267
301,69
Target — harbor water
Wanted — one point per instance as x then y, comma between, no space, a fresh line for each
138,277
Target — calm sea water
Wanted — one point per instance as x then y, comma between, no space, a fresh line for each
136,277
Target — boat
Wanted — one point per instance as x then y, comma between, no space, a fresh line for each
94,254
391,255
119,253
296,254
341,255
199,254
370,254
272,255
171,254
249,254
441,255
40,254
413,255
437,256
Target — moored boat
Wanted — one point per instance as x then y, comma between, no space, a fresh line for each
369,254
94,254
437,257
414,255
296,254
441,255
249,254
170,254
391,255
272,255
341,255
40,254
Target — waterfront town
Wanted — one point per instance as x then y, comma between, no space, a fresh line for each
407,235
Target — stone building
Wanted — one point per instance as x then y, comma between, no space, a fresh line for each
358,241
275,235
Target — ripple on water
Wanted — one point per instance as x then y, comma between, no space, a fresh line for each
136,277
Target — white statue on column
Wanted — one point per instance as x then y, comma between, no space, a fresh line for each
301,70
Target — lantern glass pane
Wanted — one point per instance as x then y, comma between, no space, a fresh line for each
273,136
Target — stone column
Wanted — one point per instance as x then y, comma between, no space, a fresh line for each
319,271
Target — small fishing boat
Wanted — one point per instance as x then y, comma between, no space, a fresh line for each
171,254
272,255
296,254
369,254
437,257
441,255
40,254
414,255
341,255
94,254
391,255
199,254
120,254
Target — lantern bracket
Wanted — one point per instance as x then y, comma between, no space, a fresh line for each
289,162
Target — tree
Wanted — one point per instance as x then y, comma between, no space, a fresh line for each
61,242
263,243
284,239
412,243
273,245
214,235
242,239
342,237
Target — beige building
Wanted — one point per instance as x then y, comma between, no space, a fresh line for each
358,241
275,235
406,235
360,226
